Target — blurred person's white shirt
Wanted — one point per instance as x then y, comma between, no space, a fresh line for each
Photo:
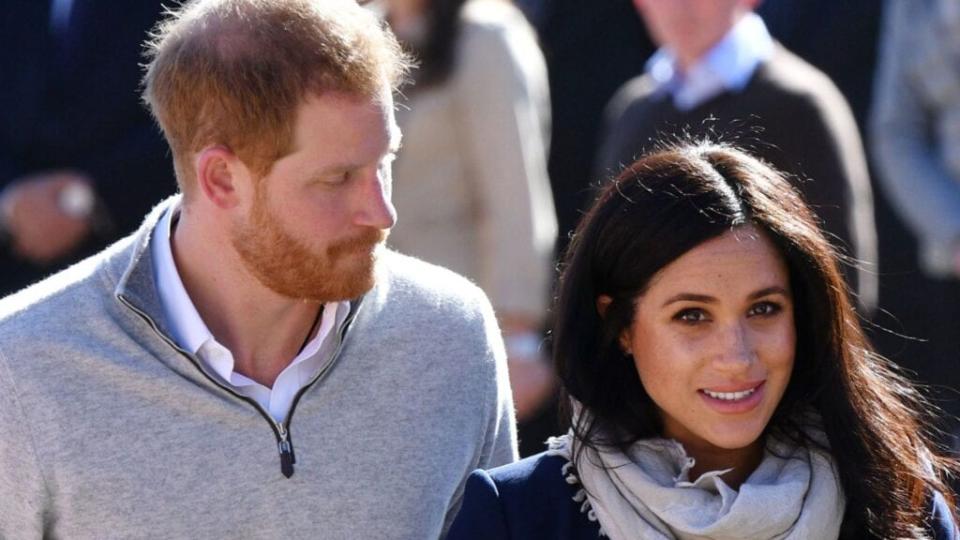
727,66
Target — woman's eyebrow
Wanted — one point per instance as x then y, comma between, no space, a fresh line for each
707,299
776,289
690,297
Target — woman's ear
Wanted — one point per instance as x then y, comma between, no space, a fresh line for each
625,342
603,304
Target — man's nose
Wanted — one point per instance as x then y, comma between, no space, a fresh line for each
375,209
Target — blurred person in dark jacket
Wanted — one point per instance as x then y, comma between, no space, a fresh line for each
720,73
80,158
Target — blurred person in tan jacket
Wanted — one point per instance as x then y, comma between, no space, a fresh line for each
470,183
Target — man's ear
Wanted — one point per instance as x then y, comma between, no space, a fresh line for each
217,175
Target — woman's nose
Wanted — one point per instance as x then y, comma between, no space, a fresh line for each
735,348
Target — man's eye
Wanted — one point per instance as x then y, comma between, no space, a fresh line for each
765,309
691,316
337,179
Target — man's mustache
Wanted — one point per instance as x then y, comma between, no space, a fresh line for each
365,240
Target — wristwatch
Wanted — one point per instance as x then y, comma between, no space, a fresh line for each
77,200
6,214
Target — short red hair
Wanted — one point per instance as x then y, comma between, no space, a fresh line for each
233,72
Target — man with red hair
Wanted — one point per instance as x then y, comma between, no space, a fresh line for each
253,362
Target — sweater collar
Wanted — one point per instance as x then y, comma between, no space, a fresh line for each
136,285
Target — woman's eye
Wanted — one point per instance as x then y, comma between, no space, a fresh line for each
691,316
764,309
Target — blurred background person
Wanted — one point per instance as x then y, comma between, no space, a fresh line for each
720,73
915,130
80,159
470,183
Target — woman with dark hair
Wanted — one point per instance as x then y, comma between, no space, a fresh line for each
471,183
720,383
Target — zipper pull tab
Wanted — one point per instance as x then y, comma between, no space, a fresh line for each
287,458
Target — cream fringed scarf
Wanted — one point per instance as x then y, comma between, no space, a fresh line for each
794,494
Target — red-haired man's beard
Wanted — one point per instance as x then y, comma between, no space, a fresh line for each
342,270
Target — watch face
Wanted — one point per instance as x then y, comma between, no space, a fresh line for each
77,200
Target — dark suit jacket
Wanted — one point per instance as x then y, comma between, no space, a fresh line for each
72,102
791,116
531,500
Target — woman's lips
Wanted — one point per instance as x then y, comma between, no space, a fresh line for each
733,399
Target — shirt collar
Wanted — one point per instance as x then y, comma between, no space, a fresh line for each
188,329
727,66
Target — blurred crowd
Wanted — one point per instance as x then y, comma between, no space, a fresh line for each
519,111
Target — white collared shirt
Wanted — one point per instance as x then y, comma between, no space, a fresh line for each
727,66
190,333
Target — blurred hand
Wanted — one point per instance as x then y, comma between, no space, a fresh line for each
533,384
44,219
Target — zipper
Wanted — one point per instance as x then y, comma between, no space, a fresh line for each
281,430
287,456
287,459
333,358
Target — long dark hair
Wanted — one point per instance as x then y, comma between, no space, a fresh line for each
675,199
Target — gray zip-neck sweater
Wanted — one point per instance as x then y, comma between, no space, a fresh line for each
108,430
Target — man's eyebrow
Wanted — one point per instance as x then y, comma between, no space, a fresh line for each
396,139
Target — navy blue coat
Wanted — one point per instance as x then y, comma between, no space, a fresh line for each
531,500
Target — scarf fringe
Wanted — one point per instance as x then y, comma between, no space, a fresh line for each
560,446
